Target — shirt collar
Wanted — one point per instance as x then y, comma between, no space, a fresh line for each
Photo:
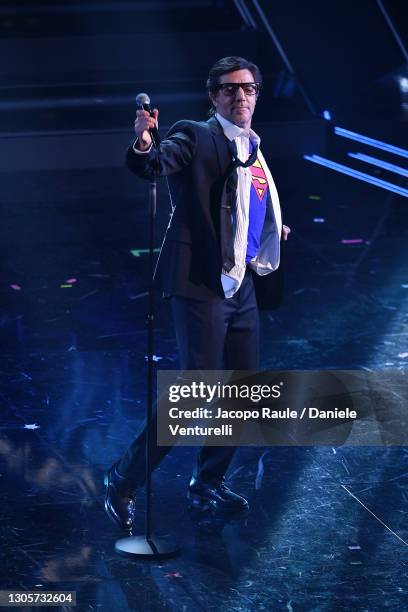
232,131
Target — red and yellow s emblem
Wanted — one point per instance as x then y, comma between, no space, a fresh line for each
259,179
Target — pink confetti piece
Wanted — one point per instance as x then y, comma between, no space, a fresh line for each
352,241
71,281
15,287
173,575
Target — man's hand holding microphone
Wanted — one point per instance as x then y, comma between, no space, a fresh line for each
143,123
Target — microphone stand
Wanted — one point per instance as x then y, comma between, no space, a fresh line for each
149,545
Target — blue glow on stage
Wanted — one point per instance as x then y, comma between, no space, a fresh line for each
372,142
322,161
380,163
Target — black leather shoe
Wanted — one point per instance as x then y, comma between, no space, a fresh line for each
217,497
119,500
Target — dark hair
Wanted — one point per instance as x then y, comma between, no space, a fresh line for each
226,65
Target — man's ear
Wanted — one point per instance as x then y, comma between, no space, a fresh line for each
211,98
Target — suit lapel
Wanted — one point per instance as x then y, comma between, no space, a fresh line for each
221,145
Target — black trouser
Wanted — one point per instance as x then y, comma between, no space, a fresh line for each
215,334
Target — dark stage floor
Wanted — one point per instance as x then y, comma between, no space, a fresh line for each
327,529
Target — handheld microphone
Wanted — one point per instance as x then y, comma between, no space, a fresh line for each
143,103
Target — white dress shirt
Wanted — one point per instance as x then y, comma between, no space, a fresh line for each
267,259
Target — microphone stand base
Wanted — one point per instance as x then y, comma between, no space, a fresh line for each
156,547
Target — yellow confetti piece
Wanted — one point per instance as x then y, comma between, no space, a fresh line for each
314,197
65,286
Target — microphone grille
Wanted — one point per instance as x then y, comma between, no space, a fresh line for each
142,98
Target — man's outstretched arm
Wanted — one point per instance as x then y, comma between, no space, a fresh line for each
175,152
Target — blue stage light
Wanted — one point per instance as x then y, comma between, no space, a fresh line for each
372,142
322,161
327,115
380,163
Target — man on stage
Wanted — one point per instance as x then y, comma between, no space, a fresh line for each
226,228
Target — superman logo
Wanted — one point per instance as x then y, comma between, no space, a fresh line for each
259,181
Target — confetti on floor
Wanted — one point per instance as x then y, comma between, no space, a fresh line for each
139,252
173,575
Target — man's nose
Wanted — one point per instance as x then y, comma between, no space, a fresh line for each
240,94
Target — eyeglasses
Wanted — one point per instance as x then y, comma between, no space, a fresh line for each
230,89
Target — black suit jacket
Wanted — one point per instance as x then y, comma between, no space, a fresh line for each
196,157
